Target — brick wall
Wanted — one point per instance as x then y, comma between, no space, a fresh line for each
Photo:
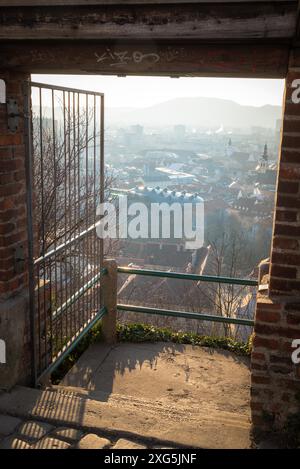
13,231
14,314
275,378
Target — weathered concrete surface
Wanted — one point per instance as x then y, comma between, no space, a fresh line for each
149,393
136,420
14,320
180,376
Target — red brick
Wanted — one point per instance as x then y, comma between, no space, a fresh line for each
7,263
6,228
268,306
10,189
6,253
267,329
6,152
292,306
19,175
286,348
6,275
287,202
293,75
278,285
285,243
289,156
285,187
283,258
282,286
288,384
13,238
258,366
256,405
280,359
285,397
6,178
289,141
258,420
291,333
291,173
8,215
260,379
267,316
286,216
11,139
284,272
14,88
11,165
262,342
6,204
281,369
258,356
291,125
291,109
293,319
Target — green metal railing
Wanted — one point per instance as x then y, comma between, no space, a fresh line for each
74,341
186,314
181,276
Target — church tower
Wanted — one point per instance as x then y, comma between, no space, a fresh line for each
263,164
229,149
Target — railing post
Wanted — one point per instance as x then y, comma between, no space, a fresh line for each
109,292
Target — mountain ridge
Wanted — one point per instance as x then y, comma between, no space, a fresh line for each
200,112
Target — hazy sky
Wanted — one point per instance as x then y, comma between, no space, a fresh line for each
146,91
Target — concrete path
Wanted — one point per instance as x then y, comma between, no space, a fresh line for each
152,395
176,376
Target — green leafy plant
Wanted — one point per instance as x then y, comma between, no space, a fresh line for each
148,333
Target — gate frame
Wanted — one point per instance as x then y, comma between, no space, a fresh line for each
28,137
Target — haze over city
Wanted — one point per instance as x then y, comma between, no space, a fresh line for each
134,91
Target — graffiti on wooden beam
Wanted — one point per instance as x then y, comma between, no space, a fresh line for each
120,58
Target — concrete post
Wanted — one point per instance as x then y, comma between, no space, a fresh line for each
109,292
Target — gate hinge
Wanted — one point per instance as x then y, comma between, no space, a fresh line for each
13,115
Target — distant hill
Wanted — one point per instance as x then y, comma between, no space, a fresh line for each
202,112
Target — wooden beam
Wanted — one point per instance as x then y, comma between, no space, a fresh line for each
147,58
248,21
9,3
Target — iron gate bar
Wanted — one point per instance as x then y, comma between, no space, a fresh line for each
72,299
46,86
66,244
64,354
29,195
182,276
185,314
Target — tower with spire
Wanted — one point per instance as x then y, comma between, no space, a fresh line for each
229,149
264,163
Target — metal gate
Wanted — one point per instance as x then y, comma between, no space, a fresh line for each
65,184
